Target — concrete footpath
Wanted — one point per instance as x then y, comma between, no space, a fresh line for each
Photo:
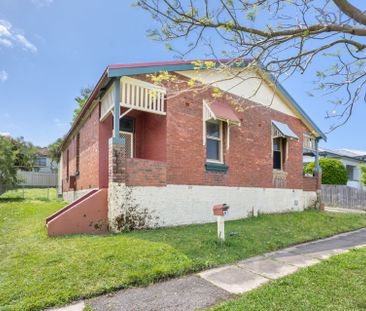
212,286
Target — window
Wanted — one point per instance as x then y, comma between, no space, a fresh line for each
277,153
309,142
41,162
126,125
214,141
126,131
78,153
350,172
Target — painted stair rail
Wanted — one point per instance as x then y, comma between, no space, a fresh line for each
87,215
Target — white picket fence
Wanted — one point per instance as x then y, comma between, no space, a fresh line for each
34,179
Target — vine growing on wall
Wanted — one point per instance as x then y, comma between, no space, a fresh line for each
133,216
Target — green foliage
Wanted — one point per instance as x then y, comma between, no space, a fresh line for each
334,284
54,150
8,170
15,154
333,171
25,154
363,174
39,272
81,100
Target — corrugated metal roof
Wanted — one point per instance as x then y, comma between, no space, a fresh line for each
223,111
285,130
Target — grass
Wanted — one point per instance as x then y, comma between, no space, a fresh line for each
336,284
40,194
37,272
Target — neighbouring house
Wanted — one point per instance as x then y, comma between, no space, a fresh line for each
43,174
165,154
351,159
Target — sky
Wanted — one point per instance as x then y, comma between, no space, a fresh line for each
50,49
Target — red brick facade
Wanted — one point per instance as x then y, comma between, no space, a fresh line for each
142,172
175,143
89,155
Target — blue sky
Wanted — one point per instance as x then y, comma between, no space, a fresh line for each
55,47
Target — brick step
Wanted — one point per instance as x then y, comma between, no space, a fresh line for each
71,205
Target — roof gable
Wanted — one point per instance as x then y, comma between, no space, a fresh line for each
119,70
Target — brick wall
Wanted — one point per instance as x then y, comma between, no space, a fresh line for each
250,154
117,163
177,139
311,183
141,172
89,155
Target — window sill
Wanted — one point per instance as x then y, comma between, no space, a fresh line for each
216,167
279,173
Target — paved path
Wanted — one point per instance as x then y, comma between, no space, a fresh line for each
212,286
344,210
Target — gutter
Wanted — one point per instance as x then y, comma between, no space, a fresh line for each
88,103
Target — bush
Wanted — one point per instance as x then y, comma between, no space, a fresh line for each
333,171
363,174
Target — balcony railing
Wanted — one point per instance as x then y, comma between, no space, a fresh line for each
137,95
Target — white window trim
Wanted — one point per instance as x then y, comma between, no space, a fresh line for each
281,152
220,139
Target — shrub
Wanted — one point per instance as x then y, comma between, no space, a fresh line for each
333,171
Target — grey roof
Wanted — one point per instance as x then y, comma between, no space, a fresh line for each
285,130
345,153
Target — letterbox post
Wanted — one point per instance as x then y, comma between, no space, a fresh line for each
220,211
221,228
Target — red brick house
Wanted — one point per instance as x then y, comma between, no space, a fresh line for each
169,155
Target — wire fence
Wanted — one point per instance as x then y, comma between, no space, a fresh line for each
26,193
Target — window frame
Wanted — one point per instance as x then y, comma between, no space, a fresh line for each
280,151
219,139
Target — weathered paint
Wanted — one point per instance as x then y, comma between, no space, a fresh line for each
88,216
189,204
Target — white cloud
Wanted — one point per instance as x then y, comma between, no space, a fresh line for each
5,42
3,76
42,3
27,45
10,37
6,134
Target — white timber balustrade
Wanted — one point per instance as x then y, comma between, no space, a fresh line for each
136,95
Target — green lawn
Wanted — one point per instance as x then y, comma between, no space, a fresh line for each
37,271
336,284
41,194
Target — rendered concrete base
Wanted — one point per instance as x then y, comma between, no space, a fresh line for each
192,204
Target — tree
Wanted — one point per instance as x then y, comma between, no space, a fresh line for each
54,150
25,154
8,170
333,171
363,174
284,37
81,100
